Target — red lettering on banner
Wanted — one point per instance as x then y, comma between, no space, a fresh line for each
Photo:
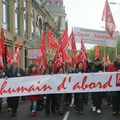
118,79
92,85
62,85
21,89
107,84
70,79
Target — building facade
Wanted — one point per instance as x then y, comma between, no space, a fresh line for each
23,21
58,10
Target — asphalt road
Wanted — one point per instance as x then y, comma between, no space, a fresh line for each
70,114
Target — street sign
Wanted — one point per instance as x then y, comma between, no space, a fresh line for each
33,53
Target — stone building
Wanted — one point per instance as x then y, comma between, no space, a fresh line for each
23,21
58,10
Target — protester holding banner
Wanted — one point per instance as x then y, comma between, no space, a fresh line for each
9,74
115,95
79,97
16,72
97,96
61,97
68,96
33,72
2,75
50,98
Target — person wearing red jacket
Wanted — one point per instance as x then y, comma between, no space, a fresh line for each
34,98
115,95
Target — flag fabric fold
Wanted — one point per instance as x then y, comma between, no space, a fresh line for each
51,41
8,56
72,45
108,18
2,47
16,54
63,43
97,52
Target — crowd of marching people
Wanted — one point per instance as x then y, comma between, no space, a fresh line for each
59,102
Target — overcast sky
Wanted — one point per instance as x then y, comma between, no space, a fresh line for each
88,14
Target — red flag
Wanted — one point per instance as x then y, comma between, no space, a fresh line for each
1,59
9,58
97,53
72,44
16,54
67,57
108,18
43,67
2,47
43,44
63,43
83,47
41,56
81,57
58,60
51,41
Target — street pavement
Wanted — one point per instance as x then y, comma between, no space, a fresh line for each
70,114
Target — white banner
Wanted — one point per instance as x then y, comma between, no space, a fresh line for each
95,37
60,83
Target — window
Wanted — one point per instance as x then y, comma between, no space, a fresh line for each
48,2
17,17
26,19
33,24
5,14
38,28
58,2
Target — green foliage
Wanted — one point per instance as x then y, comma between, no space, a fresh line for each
110,51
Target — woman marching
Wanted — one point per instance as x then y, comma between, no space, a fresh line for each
34,98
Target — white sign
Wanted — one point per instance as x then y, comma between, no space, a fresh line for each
60,83
95,37
33,53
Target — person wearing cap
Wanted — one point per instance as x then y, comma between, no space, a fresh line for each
2,75
97,96
115,95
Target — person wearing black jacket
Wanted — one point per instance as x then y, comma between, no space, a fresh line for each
16,72
68,96
115,67
50,98
79,97
97,96
8,72
2,75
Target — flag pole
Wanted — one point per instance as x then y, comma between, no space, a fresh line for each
116,45
105,49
